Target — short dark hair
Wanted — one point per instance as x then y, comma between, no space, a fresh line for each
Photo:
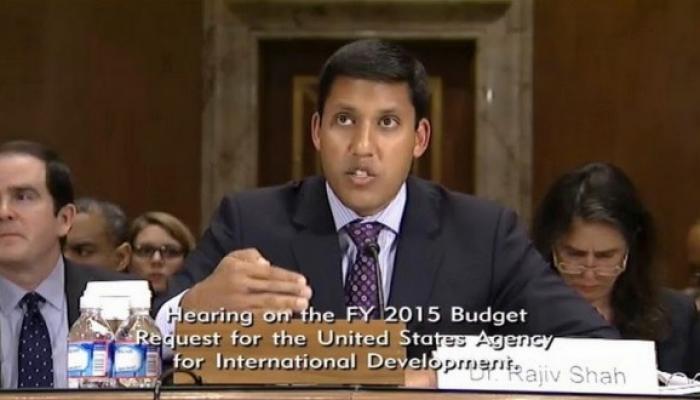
117,223
58,176
600,192
376,60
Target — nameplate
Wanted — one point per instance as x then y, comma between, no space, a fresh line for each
568,365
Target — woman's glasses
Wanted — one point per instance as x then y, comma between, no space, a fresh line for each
600,270
165,251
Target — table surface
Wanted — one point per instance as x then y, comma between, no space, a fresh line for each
264,393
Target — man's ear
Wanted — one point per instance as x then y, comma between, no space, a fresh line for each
422,138
316,130
123,255
65,217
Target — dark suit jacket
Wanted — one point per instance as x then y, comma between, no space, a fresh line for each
453,250
77,277
675,352
695,347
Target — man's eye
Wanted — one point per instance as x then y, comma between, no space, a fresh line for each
25,195
388,122
84,251
343,120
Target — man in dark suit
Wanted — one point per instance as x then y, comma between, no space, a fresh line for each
39,290
366,234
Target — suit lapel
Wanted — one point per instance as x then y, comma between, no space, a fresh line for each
75,282
316,247
417,255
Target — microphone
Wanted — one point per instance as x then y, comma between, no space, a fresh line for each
372,250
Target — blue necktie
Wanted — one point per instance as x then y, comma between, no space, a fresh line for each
35,364
361,286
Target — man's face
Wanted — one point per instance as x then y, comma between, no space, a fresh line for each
89,242
367,139
29,228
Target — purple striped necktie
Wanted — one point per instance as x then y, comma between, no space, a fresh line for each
361,286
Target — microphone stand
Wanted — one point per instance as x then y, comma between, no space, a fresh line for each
372,250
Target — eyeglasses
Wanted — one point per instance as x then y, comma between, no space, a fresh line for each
165,251
600,271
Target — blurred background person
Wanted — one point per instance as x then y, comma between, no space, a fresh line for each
597,233
98,236
693,254
160,242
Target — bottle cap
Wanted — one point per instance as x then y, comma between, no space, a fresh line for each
115,308
140,301
89,301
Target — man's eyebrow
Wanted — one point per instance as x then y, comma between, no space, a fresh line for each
340,106
23,188
81,243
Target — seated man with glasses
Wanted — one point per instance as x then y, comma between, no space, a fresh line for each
160,243
600,237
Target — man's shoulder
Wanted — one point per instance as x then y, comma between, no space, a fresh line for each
453,202
93,273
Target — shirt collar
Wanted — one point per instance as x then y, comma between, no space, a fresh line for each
390,216
52,289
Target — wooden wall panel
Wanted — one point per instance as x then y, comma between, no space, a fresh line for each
619,81
115,87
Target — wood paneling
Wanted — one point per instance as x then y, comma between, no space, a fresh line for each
618,81
115,87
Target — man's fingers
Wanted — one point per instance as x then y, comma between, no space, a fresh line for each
277,286
274,273
250,255
270,301
252,263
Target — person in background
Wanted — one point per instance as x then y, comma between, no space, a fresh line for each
693,254
160,242
98,236
597,233
39,289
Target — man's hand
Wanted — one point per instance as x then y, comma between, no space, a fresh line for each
426,379
245,281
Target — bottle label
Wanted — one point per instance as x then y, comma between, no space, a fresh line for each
133,360
88,359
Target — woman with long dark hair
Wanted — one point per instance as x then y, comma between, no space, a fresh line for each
596,232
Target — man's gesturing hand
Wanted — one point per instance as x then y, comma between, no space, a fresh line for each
245,281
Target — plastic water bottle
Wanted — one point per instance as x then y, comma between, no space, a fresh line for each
137,363
115,310
89,348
